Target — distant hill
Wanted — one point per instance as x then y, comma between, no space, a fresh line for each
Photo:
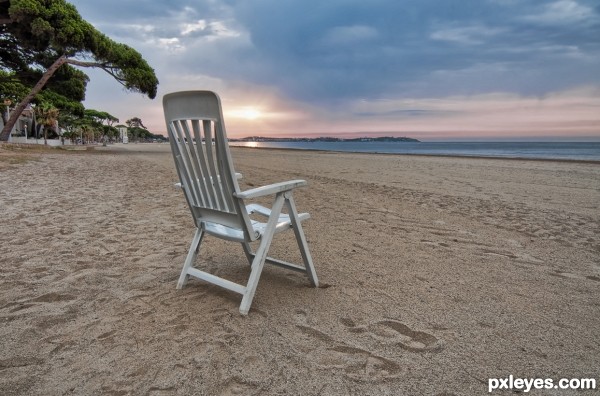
323,139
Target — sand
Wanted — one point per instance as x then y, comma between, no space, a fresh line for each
437,274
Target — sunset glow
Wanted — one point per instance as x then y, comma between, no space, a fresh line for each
247,113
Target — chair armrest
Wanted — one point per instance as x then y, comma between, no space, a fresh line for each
270,189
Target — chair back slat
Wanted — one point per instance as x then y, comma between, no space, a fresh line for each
212,169
185,168
201,163
221,147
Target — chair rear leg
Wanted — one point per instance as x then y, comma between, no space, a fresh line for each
191,257
301,239
248,252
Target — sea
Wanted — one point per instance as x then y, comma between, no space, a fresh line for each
582,151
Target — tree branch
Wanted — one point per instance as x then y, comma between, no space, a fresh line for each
107,68
83,63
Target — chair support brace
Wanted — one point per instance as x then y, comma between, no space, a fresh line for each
215,280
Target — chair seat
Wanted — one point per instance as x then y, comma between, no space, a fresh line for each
237,235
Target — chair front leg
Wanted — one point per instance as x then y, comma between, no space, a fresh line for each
261,254
191,257
301,239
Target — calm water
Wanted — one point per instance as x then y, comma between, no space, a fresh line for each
540,150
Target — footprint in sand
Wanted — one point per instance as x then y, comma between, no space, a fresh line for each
234,387
394,332
355,363
358,364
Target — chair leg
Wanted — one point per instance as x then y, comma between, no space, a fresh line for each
248,252
191,257
261,254
301,239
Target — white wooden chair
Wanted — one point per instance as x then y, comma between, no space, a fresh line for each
209,182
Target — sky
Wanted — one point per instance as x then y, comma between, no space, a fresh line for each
433,70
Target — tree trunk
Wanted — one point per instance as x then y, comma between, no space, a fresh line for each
4,135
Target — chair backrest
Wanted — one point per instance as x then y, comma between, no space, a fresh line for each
201,152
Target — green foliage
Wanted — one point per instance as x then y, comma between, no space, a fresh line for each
143,134
135,122
11,88
42,30
100,116
91,126
11,91
49,23
47,116
69,82
63,103
65,91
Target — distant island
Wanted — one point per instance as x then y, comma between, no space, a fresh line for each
323,139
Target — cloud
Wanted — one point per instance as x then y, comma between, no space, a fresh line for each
563,12
211,30
172,44
337,50
193,27
468,35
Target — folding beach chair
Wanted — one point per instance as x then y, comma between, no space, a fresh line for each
209,182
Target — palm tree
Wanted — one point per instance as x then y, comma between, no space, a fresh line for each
46,115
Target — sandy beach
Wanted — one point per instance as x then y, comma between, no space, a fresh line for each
437,273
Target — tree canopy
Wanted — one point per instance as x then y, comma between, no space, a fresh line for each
101,116
135,122
40,40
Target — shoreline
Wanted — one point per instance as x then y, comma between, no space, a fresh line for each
124,147
585,161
